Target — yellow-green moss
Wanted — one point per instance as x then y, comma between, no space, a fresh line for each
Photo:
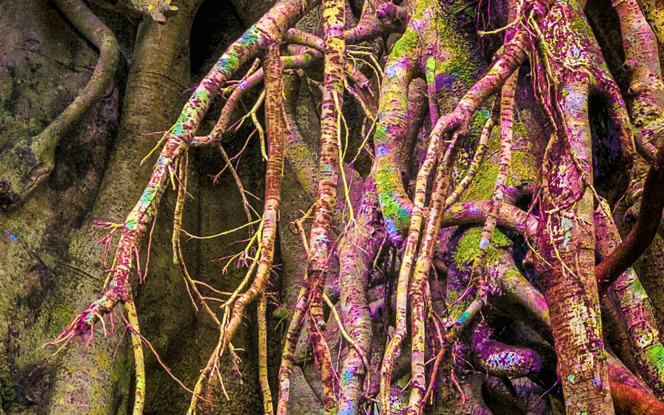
580,24
7,386
468,247
522,167
405,44
482,186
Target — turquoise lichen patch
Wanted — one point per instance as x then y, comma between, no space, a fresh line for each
347,376
464,317
149,194
162,161
131,224
397,217
229,62
178,128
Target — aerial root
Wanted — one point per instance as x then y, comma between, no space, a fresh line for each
478,275
262,357
444,142
276,131
374,23
139,362
482,146
288,355
355,268
632,305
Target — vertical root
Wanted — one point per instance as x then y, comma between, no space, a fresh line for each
634,306
482,146
418,289
139,362
410,249
262,357
288,355
321,350
478,275
276,132
333,26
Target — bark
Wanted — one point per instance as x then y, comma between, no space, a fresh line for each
31,160
450,266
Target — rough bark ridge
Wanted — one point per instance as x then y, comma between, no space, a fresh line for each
462,257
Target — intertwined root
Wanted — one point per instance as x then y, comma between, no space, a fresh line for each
446,330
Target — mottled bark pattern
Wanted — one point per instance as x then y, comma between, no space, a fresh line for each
356,314
276,139
328,176
566,229
634,307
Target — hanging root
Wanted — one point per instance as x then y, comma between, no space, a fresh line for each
176,140
395,204
424,264
392,132
288,355
262,357
482,146
139,362
276,132
354,272
478,275
439,313
648,102
333,26
371,25
566,209
644,231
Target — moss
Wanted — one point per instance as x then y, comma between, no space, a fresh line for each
519,130
580,24
482,186
457,66
522,168
468,247
460,53
451,300
522,165
61,316
7,386
512,274
403,381
406,44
